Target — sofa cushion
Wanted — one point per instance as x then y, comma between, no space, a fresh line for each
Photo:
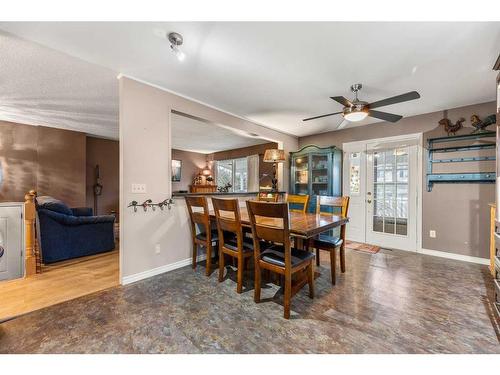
52,204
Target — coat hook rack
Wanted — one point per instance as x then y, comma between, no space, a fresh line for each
149,203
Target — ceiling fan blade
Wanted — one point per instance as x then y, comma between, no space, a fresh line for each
396,99
384,116
315,117
340,99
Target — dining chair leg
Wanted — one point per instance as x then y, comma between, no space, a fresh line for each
240,274
287,296
333,263
317,257
221,266
310,279
195,254
256,294
209,259
342,249
342,258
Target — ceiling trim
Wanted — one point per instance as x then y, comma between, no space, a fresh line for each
120,75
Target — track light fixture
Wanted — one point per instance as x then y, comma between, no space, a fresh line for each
176,40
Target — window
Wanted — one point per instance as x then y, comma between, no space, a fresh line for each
234,172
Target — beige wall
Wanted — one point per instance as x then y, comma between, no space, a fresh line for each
458,212
49,160
106,154
192,163
145,157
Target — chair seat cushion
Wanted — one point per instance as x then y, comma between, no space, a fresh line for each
275,255
202,236
232,244
324,240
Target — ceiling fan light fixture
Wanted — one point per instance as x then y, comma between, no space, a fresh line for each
355,115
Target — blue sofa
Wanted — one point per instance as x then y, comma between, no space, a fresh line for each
67,233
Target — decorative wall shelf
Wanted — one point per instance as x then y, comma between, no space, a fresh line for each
456,178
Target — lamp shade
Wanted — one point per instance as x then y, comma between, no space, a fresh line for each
274,156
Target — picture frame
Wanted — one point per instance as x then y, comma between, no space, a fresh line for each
176,170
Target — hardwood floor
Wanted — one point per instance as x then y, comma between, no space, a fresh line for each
58,283
389,302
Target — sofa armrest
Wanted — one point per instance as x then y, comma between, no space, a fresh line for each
82,211
76,220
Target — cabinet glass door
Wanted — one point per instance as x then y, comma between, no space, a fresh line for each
301,177
320,174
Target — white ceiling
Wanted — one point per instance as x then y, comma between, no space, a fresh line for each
278,73
189,134
41,86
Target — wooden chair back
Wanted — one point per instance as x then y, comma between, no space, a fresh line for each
270,222
267,197
334,202
198,213
298,200
227,214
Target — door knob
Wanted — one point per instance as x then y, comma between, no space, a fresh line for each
369,200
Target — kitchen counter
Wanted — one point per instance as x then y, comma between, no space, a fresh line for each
180,195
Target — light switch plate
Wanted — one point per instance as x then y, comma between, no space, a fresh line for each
432,234
139,188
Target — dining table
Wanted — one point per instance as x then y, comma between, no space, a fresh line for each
303,225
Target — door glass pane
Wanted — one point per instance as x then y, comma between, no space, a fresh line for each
354,173
319,170
301,175
390,191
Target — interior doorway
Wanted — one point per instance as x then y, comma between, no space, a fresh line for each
383,178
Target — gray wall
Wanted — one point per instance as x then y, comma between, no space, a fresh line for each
458,212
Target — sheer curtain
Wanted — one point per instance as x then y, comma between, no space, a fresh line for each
253,173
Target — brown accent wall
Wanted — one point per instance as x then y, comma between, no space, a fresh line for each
50,160
106,154
192,162
265,169
458,212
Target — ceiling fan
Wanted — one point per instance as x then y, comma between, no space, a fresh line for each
357,110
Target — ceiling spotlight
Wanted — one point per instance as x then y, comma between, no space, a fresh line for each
176,40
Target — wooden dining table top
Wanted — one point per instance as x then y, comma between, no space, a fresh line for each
305,225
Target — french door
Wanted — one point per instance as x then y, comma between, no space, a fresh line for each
383,183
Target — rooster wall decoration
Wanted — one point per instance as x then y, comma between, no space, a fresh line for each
480,125
451,128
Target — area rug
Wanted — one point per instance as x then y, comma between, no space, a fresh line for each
372,249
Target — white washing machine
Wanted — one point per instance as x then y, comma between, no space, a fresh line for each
11,241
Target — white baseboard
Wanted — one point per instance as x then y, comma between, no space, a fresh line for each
465,258
159,270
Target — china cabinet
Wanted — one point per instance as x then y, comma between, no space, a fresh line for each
316,171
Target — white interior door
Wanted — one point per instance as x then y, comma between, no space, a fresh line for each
391,195
11,265
355,187
382,179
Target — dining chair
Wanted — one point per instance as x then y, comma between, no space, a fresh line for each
233,241
301,200
270,222
267,197
327,241
201,231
